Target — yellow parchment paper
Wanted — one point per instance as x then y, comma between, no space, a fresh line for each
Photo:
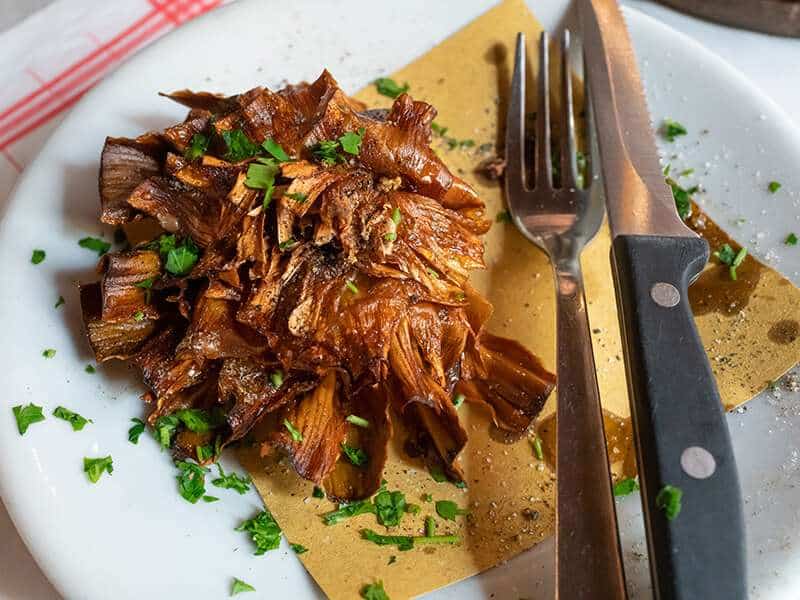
510,493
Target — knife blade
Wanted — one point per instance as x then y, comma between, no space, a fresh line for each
690,489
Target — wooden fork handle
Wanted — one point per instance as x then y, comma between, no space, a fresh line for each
681,436
588,557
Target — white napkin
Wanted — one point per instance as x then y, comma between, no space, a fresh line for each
49,60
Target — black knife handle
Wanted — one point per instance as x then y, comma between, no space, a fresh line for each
675,405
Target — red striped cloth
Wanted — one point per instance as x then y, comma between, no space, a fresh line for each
72,47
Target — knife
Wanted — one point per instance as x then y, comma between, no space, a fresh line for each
682,441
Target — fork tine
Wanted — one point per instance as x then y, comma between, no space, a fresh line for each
515,124
569,165
544,166
591,139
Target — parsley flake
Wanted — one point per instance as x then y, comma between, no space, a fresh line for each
296,196
26,416
388,87
347,511
275,149
671,129
449,510
375,591
356,456
261,176
296,435
95,244
389,507
77,421
406,542
357,421
95,467
181,259
48,352
195,419
90,369
197,146
276,378
240,586
263,530
191,481
503,217
682,197
626,486
232,481
318,492
239,147
38,256
536,442
438,129
138,316
351,141
669,500
791,239
326,152
351,286
727,256
165,428
458,400
773,187
396,216
59,302
298,548
136,430
390,237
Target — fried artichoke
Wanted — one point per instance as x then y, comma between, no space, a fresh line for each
309,271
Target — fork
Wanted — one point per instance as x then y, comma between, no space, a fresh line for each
561,221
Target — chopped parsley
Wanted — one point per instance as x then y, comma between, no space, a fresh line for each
240,586
276,378
296,435
438,129
90,369
791,239
298,548
685,172
26,416
197,146
165,429
388,87
191,481
136,430
77,421
232,481
390,237
453,143
351,141
239,147
146,285
669,500
275,149
356,456
95,244
389,507
375,591
406,542
49,352
347,511
447,509
671,129
38,256
682,197
430,526
536,442
286,245
426,497
458,399
326,152
180,258
138,316
59,302
263,530
503,217
727,256
773,187
261,176
195,419
95,467
357,421
413,509
210,499
296,196
204,453
396,216
318,492
626,486
351,286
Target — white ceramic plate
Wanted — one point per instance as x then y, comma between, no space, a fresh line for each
131,535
